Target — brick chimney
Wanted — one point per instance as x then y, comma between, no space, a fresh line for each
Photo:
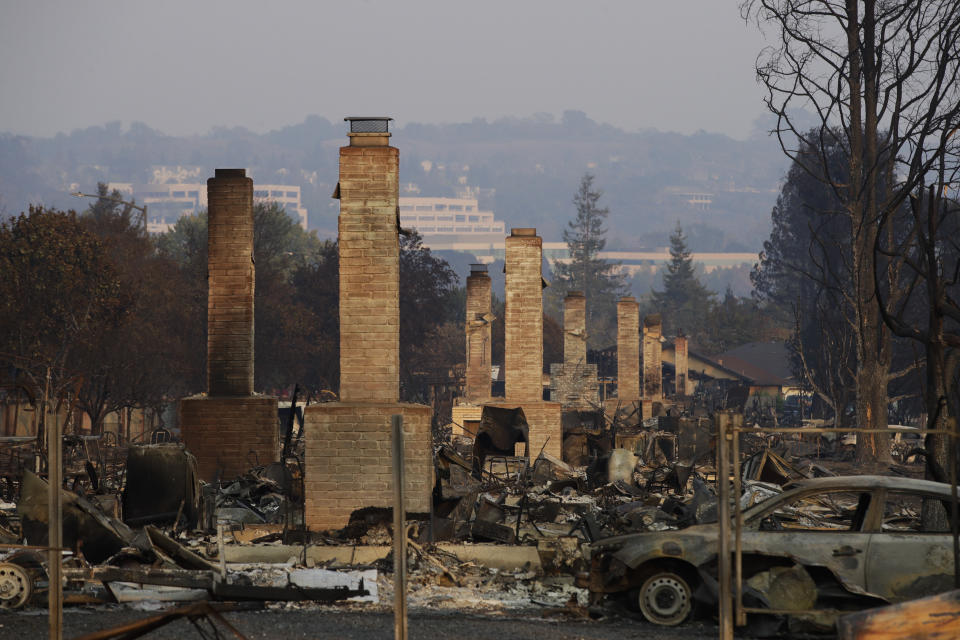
575,329
347,444
652,366
369,265
523,359
230,426
231,283
478,325
681,366
628,349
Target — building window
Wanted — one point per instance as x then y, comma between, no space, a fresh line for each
426,229
440,207
426,218
192,194
456,207
473,218
444,218
445,229
261,194
461,218
464,229
406,207
469,207
276,194
427,207
292,194
179,194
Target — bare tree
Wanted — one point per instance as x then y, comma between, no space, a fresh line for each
881,78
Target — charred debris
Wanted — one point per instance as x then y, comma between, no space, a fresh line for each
139,524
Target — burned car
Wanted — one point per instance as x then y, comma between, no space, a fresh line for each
823,543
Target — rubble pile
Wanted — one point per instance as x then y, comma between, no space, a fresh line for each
509,528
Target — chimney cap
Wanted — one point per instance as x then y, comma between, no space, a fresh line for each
478,268
575,294
368,124
230,173
523,231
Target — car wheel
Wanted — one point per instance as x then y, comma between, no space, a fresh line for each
664,598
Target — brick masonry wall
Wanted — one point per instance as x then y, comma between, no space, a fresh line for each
574,385
369,275
477,387
575,328
348,460
231,283
523,357
681,365
628,350
229,435
463,413
545,430
652,359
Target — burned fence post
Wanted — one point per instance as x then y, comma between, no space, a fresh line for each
55,523
399,531
723,525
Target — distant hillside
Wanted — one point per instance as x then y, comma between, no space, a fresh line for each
525,169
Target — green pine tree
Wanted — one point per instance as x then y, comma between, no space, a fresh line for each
600,280
685,304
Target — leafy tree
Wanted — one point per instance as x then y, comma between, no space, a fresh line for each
801,277
684,303
428,299
285,328
59,290
600,280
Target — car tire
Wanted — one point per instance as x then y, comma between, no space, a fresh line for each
664,598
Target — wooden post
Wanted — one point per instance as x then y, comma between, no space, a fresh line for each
723,526
55,522
221,552
740,616
952,439
399,534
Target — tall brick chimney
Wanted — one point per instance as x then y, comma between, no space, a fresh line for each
575,329
628,350
652,365
523,345
681,365
230,426
347,445
369,265
478,325
231,282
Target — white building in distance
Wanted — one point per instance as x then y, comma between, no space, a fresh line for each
166,203
449,223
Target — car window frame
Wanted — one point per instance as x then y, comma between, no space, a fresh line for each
882,501
787,497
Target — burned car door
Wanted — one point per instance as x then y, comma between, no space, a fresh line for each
907,559
816,529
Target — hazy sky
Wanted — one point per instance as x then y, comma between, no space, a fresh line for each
183,67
